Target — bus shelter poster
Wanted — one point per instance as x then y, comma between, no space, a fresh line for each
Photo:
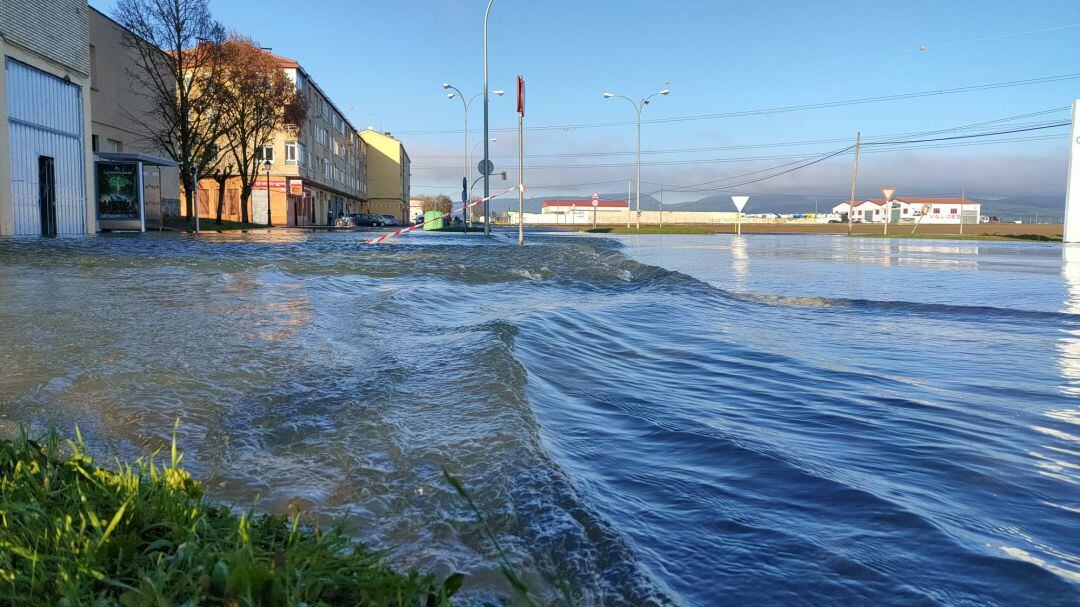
117,195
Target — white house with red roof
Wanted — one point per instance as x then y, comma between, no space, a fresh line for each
927,210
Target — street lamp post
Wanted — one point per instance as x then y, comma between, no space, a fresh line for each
487,180
269,216
638,107
465,105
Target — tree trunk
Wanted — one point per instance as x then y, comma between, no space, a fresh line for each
245,197
187,199
220,197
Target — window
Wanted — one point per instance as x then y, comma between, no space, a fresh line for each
326,168
94,142
937,209
290,152
112,145
301,154
954,211
322,136
265,152
325,109
299,83
337,148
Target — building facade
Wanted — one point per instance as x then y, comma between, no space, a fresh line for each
389,177
317,171
119,113
928,210
46,164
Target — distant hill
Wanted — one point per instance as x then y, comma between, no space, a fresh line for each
1005,207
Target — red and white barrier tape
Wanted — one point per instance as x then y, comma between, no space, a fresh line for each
417,226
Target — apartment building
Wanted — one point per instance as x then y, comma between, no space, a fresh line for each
389,178
317,170
46,165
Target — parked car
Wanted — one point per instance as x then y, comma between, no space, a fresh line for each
364,219
389,220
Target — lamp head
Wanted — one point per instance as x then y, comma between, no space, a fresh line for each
664,92
446,85
498,91
451,95
608,95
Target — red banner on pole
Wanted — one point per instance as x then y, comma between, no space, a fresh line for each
521,95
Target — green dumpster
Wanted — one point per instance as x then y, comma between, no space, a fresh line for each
433,220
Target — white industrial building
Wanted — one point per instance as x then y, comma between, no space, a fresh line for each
926,210
45,159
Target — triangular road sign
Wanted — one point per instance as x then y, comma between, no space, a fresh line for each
740,202
888,193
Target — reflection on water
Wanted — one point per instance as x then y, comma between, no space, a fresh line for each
1069,345
740,260
669,420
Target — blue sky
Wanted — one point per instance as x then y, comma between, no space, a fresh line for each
383,63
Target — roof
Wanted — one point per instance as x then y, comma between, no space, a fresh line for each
585,202
372,131
285,61
128,157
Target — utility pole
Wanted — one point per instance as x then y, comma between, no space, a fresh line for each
963,195
521,160
1072,185
661,202
628,182
854,178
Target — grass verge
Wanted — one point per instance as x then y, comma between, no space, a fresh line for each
998,237
72,533
673,229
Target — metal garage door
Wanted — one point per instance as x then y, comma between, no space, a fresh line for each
45,120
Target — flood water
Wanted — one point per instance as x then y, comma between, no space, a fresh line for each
696,420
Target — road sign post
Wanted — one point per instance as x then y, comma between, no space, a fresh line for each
465,203
740,202
595,205
888,193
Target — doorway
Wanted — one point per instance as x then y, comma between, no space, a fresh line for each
47,195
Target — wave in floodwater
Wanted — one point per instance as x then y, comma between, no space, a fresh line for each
636,434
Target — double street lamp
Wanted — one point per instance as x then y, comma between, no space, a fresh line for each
465,105
638,107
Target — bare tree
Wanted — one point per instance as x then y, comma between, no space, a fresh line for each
177,42
440,203
256,100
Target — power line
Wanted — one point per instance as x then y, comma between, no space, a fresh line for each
777,144
738,159
778,109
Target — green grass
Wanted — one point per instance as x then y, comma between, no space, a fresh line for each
73,534
997,237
